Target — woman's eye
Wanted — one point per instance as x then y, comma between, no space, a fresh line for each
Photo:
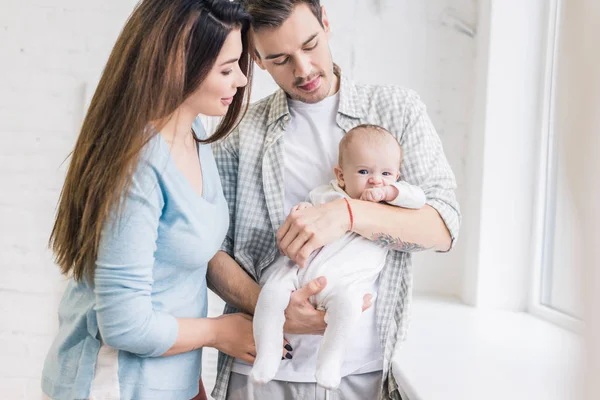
228,72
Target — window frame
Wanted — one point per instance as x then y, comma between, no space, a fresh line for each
544,217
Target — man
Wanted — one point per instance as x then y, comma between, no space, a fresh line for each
285,146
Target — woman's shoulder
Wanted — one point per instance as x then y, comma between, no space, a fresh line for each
148,177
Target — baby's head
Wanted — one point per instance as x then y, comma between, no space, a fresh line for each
369,156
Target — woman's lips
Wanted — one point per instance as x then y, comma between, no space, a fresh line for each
311,85
227,100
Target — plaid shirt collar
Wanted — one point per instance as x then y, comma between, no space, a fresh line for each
349,101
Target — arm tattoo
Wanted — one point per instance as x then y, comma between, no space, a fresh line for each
385,240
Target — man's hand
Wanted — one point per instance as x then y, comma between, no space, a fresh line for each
309,229
302,318
301,206
384,193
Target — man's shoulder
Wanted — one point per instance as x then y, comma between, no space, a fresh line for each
262,106
385,93
390,106
259,111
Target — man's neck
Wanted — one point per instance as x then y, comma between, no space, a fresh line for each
335,85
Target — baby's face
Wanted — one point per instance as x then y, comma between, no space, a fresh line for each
368,164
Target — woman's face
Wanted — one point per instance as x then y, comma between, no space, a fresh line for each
216,92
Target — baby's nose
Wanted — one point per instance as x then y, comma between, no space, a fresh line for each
375,180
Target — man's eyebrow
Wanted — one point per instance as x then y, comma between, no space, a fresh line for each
229,61
314,35
273,56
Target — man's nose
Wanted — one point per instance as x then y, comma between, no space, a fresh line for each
302,67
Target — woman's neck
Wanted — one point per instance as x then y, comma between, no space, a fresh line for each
177,129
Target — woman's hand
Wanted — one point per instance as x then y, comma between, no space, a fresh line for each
233,335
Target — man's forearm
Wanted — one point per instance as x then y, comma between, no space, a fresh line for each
226,278
399,228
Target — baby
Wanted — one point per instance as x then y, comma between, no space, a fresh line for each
369,168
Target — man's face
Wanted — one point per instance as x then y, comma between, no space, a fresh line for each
297,55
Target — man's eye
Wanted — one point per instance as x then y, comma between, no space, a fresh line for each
280,62
311,47
363,172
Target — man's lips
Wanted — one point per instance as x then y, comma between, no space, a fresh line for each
311,85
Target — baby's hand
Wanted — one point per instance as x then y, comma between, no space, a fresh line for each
301,206
376,195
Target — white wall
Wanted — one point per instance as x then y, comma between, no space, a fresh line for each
51,49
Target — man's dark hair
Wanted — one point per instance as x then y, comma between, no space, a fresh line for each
273,13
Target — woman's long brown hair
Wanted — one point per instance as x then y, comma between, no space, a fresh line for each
164,52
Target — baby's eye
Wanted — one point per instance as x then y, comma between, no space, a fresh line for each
363,172
387,174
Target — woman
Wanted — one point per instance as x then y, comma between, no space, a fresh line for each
142,210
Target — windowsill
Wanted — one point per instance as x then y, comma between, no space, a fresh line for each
454,351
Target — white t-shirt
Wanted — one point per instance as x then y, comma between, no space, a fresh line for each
311,141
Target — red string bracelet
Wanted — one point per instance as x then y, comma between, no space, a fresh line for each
351,215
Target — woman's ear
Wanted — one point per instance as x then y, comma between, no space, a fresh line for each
339,174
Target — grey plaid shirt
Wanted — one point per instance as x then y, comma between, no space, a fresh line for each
251,165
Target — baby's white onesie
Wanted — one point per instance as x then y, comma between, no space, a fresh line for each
350,264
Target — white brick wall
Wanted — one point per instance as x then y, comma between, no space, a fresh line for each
51,49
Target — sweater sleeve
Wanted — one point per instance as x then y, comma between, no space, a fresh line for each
124,272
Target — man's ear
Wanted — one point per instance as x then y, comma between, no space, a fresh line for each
255,54
325,22
258,60
339,176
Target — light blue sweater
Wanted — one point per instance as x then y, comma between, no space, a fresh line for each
151,269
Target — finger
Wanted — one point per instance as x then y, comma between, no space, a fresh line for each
287,345
313,287
322,323
249,358
283,230
306,251
246,316
287,349
367,301
298,244
286,240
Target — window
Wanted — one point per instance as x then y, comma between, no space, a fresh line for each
560,257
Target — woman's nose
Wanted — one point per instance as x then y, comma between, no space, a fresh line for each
242,80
